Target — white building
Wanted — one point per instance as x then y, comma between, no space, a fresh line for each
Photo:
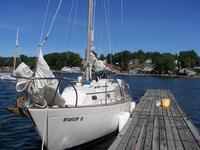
66,69
148,66
187,71
134,61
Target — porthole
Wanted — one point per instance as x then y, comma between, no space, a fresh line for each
94,97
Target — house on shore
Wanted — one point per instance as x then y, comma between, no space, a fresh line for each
148,66
6,69
187,71
134,61
66,69
76,69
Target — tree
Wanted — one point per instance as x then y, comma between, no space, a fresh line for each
188,59
140,55
166,64
58,60
102,57
109,58
30,61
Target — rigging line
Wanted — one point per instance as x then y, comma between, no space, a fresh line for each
73,24
108,13
67,36
93,22
94,13
92,25
107,27
122,12
75,15
70,13
45,17
46,38
101,37
101,29
54,17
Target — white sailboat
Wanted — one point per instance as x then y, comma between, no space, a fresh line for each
8,76
85,111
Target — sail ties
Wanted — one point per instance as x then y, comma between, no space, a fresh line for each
42,91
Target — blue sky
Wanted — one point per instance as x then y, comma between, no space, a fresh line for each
151,25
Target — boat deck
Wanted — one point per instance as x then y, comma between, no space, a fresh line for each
157,128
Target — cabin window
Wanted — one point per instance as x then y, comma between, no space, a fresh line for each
94,97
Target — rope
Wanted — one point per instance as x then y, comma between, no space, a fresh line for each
71,29
56,13
101,29
107,26
46,37
68,30
45,126
75,15
122,12
94,13
46,12
70,13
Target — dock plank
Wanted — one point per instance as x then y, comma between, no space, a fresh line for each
157,128
131,128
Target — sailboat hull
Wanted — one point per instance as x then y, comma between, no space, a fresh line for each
69,127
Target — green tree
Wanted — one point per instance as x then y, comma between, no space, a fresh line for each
166,63
109,58
102,57
58,60
140,55
188,59
30,61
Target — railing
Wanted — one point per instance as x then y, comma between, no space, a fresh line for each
123,88
59,79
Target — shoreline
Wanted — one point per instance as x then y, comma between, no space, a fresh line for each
161,75
138,75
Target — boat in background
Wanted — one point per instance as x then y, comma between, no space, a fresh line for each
9,76
86,110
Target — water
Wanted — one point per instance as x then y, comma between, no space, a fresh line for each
18,132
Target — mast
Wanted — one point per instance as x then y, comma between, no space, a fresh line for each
15,50
88,70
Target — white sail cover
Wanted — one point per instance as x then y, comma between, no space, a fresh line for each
41,91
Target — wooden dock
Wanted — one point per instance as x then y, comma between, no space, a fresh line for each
157,128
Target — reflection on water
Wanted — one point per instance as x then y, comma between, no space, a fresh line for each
18,132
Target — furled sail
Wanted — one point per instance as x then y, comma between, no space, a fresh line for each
97,64
36,85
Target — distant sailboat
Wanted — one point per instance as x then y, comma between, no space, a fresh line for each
9,76
86,110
